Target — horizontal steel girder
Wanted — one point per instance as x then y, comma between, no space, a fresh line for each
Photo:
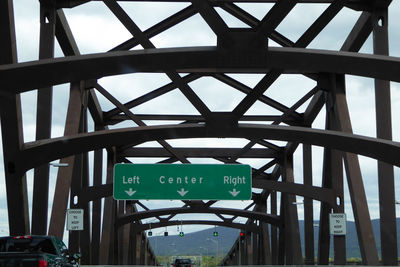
22,77
56,148
317,193
267,218
355,4
194,152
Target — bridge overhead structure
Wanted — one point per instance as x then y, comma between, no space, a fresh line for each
181,116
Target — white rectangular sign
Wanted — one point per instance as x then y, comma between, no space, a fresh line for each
75,219
337,223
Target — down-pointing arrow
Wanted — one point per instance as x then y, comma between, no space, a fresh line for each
182,192
234,193
130,192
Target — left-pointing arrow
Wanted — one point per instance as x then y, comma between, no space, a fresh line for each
130,192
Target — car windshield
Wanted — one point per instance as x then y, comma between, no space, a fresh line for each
183,261
27,245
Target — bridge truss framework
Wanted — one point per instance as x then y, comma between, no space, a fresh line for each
113,229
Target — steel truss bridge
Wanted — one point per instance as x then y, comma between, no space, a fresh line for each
110,128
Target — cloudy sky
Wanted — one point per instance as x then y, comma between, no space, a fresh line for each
97,30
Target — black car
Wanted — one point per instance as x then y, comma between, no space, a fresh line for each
183,263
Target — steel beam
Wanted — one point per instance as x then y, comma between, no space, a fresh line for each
308,207
387,199
381,149
43,123
198,209
362,218
108,216
193,152
293,253
96,208
64,177
305,190
11,129
204,59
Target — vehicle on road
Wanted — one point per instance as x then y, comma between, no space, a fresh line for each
35,250
183,263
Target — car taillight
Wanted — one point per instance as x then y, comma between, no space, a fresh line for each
42,263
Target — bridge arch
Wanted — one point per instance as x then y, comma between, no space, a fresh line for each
271,219
56,148
241,226
244,50
44,73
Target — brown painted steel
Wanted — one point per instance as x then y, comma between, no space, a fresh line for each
271,219
43,123
387,199
313,192
308,208
64,146
365,234
64,176
96,208
237,50
11,129
292,232
108,216
226,223
204,59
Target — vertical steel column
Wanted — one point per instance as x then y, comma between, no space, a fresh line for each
64,176
108,215
113,253
249,248
138,248
243,252
76,186
384,130
43,122
292,233
96,208
336,174
255,247
132,246
323,234
237,253
308,207
85,234
365,234
120,232
274,231
281,245
126,234
12,136
264,248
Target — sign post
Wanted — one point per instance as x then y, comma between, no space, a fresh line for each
337,223
182,181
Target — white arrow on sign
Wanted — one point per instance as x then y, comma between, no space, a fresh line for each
234,193
182,192
130,192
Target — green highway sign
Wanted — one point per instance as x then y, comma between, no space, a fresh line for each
182,181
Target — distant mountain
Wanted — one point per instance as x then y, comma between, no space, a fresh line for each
197,243
204,243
